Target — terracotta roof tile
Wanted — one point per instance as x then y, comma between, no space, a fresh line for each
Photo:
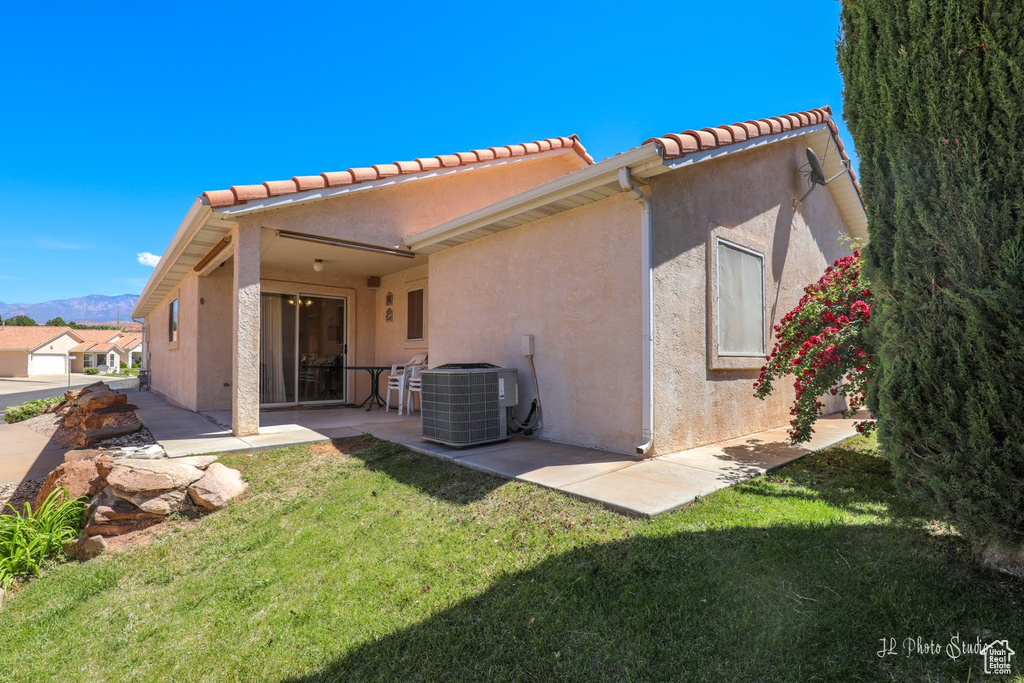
18,338
387,170
309,182
675,145
279,187
240,194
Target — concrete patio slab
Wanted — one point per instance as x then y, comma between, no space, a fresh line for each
545,463
649,488
621,482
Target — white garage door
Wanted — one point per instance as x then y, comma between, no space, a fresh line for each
47,364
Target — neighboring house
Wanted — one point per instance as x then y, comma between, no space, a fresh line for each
31,351
132,344
650,280
106,350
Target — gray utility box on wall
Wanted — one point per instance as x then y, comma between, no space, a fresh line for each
464,404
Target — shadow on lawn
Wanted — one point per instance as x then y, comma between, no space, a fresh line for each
780,603
443,480
787,602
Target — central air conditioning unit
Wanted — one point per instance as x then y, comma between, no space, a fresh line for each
464,404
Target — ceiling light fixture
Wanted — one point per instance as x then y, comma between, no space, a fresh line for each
318,264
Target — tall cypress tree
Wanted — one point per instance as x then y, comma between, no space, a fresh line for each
934,99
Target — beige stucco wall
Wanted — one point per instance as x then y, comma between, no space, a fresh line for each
748,195
173,365
388,214
213,352
391,344
13,364
573,281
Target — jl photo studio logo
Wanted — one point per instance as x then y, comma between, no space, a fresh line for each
997,656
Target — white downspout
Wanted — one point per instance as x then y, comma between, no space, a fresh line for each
647,306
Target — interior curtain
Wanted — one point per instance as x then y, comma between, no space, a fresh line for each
272,389
740,302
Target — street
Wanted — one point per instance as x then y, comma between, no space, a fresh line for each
16,390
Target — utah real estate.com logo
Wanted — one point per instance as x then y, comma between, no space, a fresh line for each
996,655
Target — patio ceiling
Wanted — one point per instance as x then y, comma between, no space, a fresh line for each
290,254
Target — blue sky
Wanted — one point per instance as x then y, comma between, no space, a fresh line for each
116,116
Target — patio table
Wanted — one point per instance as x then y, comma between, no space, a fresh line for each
375,372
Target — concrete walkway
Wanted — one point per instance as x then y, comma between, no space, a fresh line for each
635,486
25,454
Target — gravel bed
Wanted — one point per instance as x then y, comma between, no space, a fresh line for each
19,493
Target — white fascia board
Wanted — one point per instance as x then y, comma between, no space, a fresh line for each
192,223
294,198
598,174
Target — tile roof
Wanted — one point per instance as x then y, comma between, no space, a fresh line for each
98,348
18,338
240,194
90,338
677,145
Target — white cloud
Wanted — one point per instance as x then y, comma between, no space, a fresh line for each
147,259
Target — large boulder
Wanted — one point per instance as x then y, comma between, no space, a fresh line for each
101,399
181,474
74,394
217,487
79,477
132,480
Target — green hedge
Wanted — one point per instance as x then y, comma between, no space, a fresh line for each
933,93
29,409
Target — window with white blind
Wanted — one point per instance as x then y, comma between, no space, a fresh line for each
741,304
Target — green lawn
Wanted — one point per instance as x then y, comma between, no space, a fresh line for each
386,565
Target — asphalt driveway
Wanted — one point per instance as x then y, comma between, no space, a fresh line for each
16,390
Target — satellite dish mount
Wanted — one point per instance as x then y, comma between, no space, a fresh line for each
815,173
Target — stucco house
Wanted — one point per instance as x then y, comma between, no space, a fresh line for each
650,280
106,350
35,350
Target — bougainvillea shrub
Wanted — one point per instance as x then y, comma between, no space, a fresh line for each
820,344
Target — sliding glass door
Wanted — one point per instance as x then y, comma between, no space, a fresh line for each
303,348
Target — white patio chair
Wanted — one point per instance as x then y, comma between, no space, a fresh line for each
413,385
396,380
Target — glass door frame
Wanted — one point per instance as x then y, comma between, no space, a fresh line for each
345,341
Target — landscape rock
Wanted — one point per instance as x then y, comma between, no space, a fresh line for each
156,502
137,481
181,474
89,454
217,487
54,407
76,476
150,452
198,461
117,519
74,394
101,399
85,547
91,437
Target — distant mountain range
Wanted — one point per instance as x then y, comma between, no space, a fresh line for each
96,308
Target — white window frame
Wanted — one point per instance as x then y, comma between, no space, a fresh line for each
718,360
87,359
